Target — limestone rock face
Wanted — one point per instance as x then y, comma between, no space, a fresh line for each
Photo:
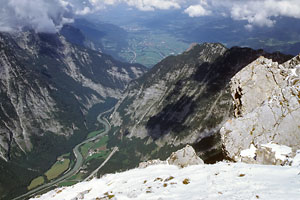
181,158
266,106
184,157
143,165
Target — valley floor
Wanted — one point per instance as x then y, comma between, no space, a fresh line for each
210,182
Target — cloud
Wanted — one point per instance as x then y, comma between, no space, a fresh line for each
197,11
150,5
50,15
265,12
257,12
254,12
84,11
40,15
144,5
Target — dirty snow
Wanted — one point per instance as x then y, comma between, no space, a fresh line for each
210,182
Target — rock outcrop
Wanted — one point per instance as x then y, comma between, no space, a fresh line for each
181,158
268,154
148,163
266,107
184,157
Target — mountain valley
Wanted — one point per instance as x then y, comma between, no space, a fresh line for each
164,99
48,88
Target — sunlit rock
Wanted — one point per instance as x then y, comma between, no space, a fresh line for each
267,107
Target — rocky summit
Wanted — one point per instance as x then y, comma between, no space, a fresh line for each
266,106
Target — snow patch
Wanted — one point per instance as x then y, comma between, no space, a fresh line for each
281,151
250,153
296,160
223,180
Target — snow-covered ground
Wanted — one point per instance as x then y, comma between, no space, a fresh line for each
232,181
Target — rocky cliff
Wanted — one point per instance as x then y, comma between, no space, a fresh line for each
47,87
184,99
267,107
44,79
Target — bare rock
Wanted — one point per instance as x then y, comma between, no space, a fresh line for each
268,154
267,107
185,157
182,158
143,165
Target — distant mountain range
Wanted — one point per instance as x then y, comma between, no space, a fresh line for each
147,39
100,36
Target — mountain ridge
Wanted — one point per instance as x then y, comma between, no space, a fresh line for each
185,99
48,88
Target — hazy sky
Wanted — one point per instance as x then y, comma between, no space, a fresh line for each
49,15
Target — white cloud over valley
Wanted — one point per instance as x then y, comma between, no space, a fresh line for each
41,15
144,5
255,12
48,16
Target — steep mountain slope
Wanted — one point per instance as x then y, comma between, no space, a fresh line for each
47,87
183,99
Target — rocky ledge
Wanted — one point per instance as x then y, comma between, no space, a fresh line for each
266,107
181,158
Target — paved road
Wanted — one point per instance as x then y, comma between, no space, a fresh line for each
78,164
106,160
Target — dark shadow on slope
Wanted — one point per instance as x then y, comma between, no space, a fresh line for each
215,77
171,118
218,74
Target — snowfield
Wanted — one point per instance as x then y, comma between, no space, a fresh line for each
226,181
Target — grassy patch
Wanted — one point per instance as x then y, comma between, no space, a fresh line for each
94,133
65,155
102,154
57,169
36,182
67,183
76,177
103,141
84,149
91,145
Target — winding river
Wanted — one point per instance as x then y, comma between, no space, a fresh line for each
79,160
